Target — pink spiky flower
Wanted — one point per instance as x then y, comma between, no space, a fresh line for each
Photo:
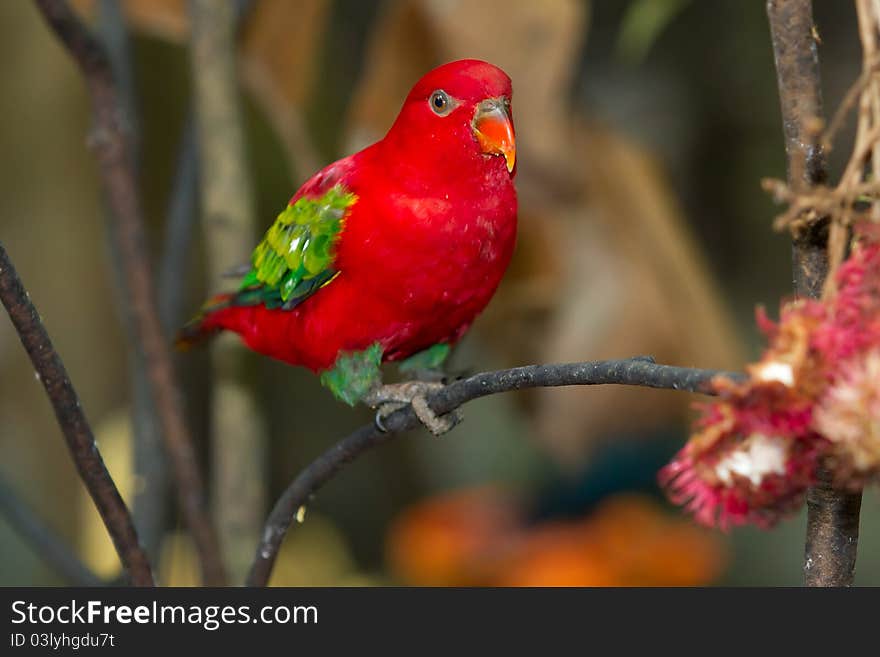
813,397
750,461
848,410
848,415
852,327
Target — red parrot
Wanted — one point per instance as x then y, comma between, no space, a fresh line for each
389,253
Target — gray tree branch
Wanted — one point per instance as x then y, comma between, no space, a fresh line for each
150,465
638,371
110,142
74,425
832,515
238,439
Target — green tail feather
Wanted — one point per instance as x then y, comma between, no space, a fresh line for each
195,330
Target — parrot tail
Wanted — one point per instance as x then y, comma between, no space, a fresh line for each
205,324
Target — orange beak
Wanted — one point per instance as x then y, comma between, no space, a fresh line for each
494,130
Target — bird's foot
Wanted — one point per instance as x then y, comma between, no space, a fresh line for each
387,399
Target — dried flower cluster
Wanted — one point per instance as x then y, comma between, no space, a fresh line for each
814,395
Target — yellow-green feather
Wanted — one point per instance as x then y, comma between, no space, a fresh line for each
296,256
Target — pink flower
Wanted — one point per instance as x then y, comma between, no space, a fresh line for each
853,323
814,395
848,415
754,451
750,462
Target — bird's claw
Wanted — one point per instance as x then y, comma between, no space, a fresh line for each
392,397
383,411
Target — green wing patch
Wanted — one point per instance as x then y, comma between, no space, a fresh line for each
295,258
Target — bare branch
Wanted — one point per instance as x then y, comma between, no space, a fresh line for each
238,438
112,149
832,516
74,425
150,501
181,213
180,222
800,97
638,371
832,534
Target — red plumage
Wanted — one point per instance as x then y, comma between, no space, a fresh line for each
422,249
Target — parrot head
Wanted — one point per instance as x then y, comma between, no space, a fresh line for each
459,111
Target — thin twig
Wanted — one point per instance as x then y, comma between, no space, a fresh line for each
849,101
51,548
112,150
74,425
117,44
832,516
180,223
238,438
149,462
638,371
180,218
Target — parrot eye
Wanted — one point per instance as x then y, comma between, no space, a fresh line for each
440,103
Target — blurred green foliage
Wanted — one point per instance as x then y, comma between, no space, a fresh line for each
642,25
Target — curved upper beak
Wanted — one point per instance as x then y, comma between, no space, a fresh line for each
494,130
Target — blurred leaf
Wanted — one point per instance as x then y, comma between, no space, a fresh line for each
643,24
